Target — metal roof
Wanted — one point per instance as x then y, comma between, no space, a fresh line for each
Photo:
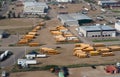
66,17
97,28
79,16
108,1
118,23
40,4
73,17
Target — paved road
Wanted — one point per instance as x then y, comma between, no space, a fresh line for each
18,52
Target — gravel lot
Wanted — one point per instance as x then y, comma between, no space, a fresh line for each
66,57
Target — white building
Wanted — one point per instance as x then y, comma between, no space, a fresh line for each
73,19
102,2
117,25
35,8
108,3
97,31
64,0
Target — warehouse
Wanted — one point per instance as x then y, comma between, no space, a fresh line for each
35,8
97,31
109,3
74,19
117,25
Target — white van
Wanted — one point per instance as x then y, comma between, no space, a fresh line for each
4,74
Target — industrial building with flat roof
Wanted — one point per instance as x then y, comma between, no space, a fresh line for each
117,25
109,3
97,31
35,8
73,19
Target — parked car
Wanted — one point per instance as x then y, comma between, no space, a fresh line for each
100,18
117,18
4,74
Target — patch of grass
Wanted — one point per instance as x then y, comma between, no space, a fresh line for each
47,67
105,40
116,11
90,1
12,45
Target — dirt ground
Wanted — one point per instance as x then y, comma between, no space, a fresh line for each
66,57
44,37
73,72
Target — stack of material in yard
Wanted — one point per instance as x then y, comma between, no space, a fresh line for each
23,41
37,28
34,30
60,38
32,33
107,54
33,44
42,24
49,51
61,29
88,49
94,53
55,32
114,48
64,35
98,45
103,49
81,55
68,35
29,36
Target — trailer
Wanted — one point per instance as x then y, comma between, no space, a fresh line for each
30,56
41,55
26,61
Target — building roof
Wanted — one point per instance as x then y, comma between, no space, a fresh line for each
73,17
118,23
39,4
97,28
66,17
79,16
108,1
